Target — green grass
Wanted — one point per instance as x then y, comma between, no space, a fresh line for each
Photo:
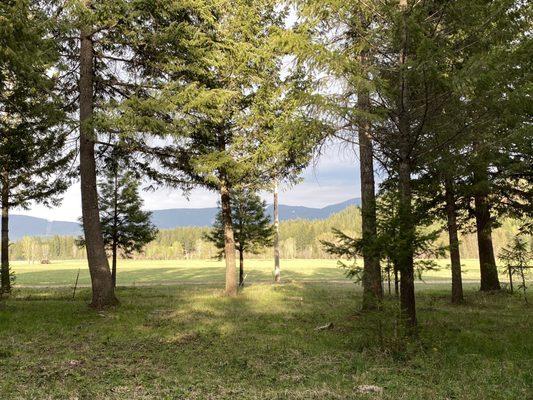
139,272
189,342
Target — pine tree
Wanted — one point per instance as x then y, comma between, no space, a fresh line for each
223,112
253,228
337,37
517,257
419,57
125,226
92,36
33,160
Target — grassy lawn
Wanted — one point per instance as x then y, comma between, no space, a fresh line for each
139,272
189,342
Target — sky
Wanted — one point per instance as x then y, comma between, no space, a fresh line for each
332,178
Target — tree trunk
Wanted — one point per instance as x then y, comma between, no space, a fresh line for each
115,228
102,286
406,228
455,256
405,256
241,268
229,241
388,276
510,270
396,282
487,261
277,268
5,273
372,284
114,265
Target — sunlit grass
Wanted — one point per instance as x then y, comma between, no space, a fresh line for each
139,272
190,342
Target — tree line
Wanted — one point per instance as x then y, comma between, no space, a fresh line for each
299,239
238,95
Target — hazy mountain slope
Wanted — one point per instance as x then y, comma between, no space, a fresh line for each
21,225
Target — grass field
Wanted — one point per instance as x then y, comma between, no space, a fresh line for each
184,340
142,272
189,342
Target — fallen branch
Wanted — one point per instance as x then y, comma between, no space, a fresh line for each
325,327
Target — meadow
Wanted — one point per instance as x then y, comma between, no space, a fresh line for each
150,272
190,342
175,336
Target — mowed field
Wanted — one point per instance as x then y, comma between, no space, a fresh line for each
169,272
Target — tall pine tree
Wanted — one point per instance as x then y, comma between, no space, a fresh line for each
34,165
126,226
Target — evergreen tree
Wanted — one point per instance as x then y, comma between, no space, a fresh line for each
33,160
253,228
337,37
92,37
223,113
517,257
125,226
420,55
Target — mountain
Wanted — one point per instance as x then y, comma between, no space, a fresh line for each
298,212
21,225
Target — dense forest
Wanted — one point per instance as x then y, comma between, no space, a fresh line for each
298,239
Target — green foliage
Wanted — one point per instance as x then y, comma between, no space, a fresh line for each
214,98
299,239
124,223
387,243
252,227
33,161
125,226
349,248
517,257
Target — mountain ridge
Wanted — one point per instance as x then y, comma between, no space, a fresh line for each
23,225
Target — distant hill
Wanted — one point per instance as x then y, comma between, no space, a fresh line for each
21,225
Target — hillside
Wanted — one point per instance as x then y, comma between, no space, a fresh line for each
300,238
21,225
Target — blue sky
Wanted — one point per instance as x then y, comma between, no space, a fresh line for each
333,178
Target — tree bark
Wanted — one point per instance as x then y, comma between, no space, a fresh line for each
396,282
455,256
277,268
5,273
510,271
241,268
103,294
115,229
114,265
406,228
405,256
372,283
389,279
487,260
229,241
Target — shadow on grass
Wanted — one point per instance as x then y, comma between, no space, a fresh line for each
192,342
172,275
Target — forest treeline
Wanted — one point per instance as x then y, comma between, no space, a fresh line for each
298,239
